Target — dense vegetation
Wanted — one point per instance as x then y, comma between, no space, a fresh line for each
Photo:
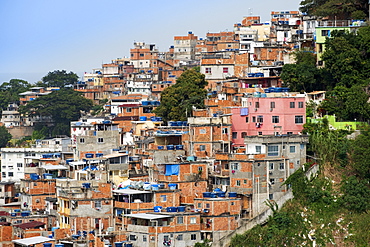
177,100
63,106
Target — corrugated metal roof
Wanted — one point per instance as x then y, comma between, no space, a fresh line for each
148,216
32,240
31,224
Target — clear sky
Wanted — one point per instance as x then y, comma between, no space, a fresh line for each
38,36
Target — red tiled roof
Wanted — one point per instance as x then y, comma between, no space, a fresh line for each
4,213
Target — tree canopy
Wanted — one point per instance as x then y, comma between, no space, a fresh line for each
59,78
177,100
5,136
62,106
303,75
347,69
9,91
343,9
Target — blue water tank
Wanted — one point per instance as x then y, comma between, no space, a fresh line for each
98,155
251,74
59,245
157,209
153,119
179,123
47,244
172,123
181,208
86,185
142,118
170,147
145,102
34,176
13,214
267,90
159,119
106,122
206,194
179,147
263,95
25,213
160,147
128,245
155,187
172,186
213,195
118,244
184,123
221,194
89,155
232,194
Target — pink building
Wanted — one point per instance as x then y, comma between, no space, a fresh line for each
268,114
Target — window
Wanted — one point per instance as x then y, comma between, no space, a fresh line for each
235,166
271,196
97,204
260,133
292,149
275,119
208,71
225,131
10,174
163,198
200,169
180,220
272,104
202,131
132,237
245,181
259,119
208,205
225,70
82,140
273,150
199,205
235,135
289,133
325,33
193,236
128,109
100,140
3,174
292,104
271,166
246,119
145,238
237,182
300,104
141,54
193,220
253,119
281,166
258,149
256,104
180,237
244,134
272,181
202,147
299,119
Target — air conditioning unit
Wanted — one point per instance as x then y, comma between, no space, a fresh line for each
271,109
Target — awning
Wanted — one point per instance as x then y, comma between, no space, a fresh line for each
54,167
32,240
148,216
114,155
131,191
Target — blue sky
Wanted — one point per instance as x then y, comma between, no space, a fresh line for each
39,36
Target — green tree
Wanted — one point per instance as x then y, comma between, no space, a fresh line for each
9,91
62,106
301,76
177,101
5,136
361,154
59,78
343,9
356,194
